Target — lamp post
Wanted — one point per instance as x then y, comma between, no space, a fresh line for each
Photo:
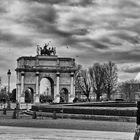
8,101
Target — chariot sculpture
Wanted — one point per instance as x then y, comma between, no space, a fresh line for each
46,50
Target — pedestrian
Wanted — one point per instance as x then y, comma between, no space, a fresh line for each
14,114
137,130
17,105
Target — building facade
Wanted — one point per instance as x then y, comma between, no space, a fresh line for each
59,71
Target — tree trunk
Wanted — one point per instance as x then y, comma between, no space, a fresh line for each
88,98
108,95
98,96
87,95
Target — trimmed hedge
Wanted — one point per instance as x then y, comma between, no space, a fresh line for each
85,110
105,104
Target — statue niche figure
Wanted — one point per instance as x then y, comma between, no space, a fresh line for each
46,51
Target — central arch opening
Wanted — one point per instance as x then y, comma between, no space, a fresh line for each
46,90
29,95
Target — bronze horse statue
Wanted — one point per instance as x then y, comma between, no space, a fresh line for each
48,52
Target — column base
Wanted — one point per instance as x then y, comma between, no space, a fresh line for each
71,98
22,100
56,99
37,99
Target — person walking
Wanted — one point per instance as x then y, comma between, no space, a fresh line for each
137,130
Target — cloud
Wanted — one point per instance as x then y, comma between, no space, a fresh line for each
15,40
36,16
2,10
112,41
3,4
94,44
48,1
131,68
129,36
127,4
93,30
99,45
66,2
123,57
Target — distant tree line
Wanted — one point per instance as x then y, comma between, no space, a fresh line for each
128,89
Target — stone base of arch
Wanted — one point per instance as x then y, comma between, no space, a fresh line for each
22,99
57,99
71,98
37,99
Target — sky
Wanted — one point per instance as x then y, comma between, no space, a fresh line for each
88,30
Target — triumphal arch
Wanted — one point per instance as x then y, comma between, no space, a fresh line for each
58,73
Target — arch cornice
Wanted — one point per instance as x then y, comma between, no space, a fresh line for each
46,70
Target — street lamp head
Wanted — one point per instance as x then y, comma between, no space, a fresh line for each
9,72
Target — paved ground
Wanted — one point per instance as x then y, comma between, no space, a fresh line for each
20,133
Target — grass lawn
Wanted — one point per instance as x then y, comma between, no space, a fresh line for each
70,124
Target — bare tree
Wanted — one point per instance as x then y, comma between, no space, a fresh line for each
83,80
96,73
110,78
124,89
79,68
78,89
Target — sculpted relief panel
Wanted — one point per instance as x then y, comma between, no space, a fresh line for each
30,78
48,63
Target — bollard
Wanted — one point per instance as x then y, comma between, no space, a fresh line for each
17,109
62,111
54,115
14,114
4,111
34,116
17,114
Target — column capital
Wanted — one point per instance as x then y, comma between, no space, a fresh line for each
22,73
37,73
58,74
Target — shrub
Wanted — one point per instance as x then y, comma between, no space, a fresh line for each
86,110
45,98
105,104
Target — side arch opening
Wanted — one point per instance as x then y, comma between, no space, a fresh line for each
64,95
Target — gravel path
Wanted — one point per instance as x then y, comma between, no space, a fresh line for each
70,124
19,133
